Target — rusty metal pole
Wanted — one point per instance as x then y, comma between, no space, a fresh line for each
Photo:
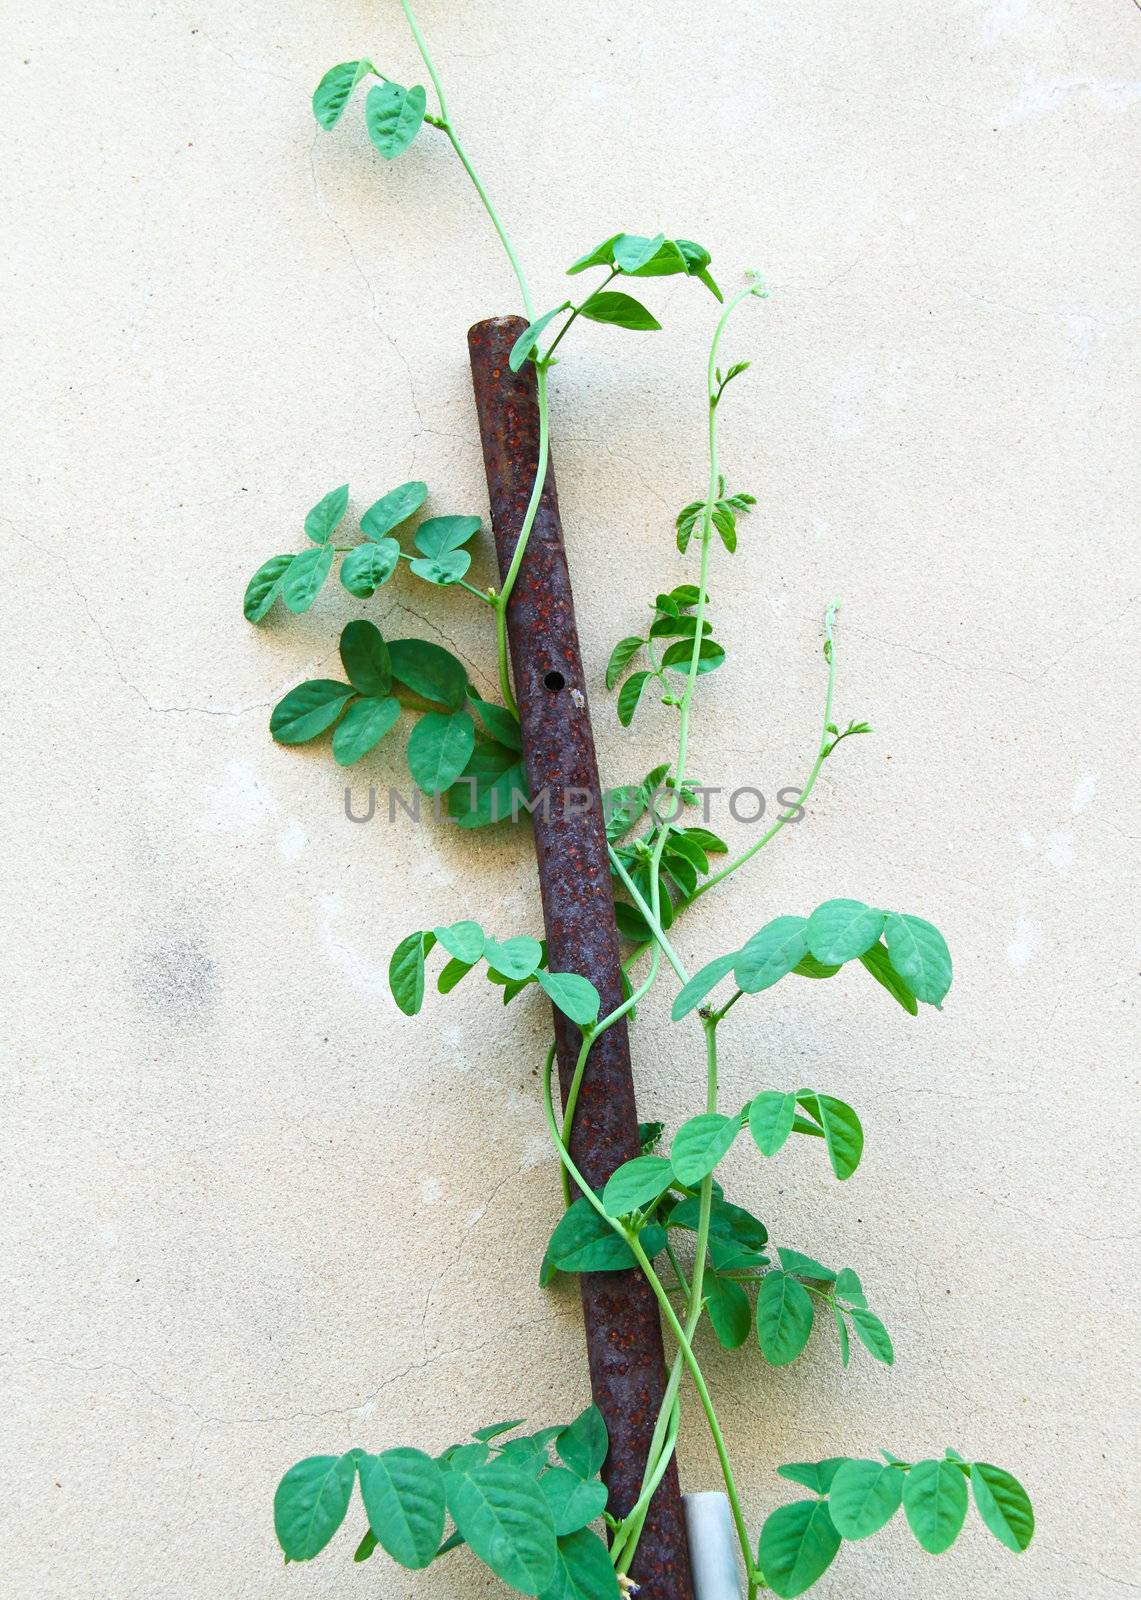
623,1330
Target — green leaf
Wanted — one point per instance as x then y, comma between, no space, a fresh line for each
679,656
700,1143
366,1547
308,710
393,508
919,954
429,670
620,657
514,958
583,1570
684,844
805,1266
575,997
771,954
362,728
811,968
494,1429
499,722
264,587
730,1313
740,1234
872,1334
439,536
583,1445
311,1502
301,584
601,256
784,1318
798,1544
322,521
697,261
843,1134
840,930
439,748
504,1516
629,696
1003,1504
331,95
814,1475
695,991
403,1494
848,1287
364,656
620,310
406,971
650,1136
453,972
878,963
865,1496
584,1242
464,940
770,1120
531,335
367,566
499,781
636,1184
441,570
573,1503
633,251
842,1334
726,524
935,1503
393,116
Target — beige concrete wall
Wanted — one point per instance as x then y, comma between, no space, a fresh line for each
251,1212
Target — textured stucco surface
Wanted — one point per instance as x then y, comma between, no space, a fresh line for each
250,1211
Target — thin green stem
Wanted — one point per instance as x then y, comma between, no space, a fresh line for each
575,310
655,926
810,782
445,121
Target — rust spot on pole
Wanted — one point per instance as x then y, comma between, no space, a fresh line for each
623,1329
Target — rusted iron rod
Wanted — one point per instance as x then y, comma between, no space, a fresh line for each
623,1330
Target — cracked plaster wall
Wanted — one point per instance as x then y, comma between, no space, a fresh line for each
251,1212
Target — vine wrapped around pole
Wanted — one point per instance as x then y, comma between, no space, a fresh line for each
623,1330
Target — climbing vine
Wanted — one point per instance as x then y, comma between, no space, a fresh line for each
527,1504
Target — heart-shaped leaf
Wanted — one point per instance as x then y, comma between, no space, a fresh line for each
393,116
583,1570
331,95
369,565
583,1445
514,958
440,535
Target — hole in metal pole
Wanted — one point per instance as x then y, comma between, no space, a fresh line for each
554,680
